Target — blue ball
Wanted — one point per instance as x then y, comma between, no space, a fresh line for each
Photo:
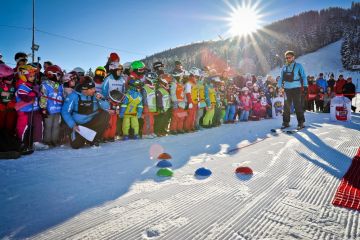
203,172
164,164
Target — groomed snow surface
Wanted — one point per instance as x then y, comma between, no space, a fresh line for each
112,192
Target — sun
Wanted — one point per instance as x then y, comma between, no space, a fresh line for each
243,21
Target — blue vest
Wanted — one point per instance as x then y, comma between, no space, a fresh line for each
54,98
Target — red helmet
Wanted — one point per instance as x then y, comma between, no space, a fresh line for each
53,71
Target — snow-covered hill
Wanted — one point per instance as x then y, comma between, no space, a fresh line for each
112,192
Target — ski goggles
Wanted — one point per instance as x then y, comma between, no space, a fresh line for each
100,73
58,75
140,71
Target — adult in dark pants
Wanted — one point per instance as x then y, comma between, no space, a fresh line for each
82,107
349,91
293,80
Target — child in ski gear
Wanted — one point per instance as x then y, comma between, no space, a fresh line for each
158,68
327,99
321,82
192,97
270,94
210,97
292,79
51,102
231,100
278,104
100,74
313,90
69,81
349,91
83,108
220,102
115,80
340,84
115,99
245,104
201,104
149,103
113,58
7,100
132,106
163,104
260,106
29,125
320,100
178,102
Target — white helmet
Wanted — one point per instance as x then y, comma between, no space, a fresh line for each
195,71
79,70
244,89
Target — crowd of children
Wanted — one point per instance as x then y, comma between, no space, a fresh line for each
45,109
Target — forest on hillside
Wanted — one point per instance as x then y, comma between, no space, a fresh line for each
303,33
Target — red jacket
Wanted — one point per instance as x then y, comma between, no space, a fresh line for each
313,90
339,86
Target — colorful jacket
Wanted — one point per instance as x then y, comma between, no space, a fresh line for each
210,95
149,97
245,102
163,101
26,93
70,113
7,93
177,95
322,83
52,96
132,104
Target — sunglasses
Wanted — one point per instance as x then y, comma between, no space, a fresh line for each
100,73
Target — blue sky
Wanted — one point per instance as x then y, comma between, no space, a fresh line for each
135,28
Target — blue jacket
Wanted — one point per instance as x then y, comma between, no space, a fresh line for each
132,104
110,83
322,83
299,74
70,108
51,99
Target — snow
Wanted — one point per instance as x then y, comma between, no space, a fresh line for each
113,191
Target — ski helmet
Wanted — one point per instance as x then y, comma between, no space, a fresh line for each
69,77
158,66
26,71
114,57
151,77
135,83
54,72
116,96
115,66
195,72
79,71
138,66
100,72
244,89
21,56
6,71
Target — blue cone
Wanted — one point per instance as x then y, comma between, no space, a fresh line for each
204,172
164,164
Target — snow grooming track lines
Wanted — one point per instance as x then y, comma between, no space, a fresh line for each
280,201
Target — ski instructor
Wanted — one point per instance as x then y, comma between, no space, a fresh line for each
293,80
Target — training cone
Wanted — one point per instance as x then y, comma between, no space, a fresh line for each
164,164
165,172
164,156
244,170
203,172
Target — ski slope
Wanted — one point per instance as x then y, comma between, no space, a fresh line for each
112,192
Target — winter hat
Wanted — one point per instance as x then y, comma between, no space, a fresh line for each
20,56
244,89
87,83
114,57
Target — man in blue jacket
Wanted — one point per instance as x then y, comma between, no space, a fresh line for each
83,108
293,80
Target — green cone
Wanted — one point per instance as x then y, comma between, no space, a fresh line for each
165,172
